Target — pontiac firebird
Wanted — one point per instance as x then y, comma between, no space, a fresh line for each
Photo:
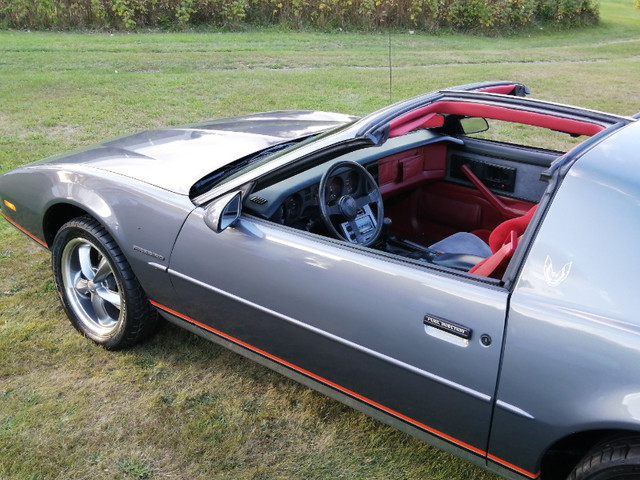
418,264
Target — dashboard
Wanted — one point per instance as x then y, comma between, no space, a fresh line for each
301,209
294,201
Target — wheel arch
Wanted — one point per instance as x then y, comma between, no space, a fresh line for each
58,214
561,457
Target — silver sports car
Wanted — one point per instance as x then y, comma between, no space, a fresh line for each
461,265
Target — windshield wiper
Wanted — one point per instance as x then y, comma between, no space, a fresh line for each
210,181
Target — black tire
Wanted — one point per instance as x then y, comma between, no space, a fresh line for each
97,287
615,459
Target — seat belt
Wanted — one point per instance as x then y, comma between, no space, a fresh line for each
487,266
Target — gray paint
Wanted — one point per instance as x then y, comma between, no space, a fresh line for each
348,320
152,156
572,346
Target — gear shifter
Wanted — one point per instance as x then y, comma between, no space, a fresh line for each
385,234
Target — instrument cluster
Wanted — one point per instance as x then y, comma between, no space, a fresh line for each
299,208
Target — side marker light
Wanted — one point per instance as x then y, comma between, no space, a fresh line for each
10,205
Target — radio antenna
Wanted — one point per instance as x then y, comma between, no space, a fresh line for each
390,67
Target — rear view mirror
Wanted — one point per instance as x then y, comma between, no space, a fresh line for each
474,125
223,213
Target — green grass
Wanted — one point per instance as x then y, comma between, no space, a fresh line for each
177,406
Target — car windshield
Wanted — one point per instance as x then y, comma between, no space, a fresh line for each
241,165
253,161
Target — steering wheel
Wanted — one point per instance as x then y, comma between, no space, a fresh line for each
358,211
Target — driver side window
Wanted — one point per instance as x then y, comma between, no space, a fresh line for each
408,201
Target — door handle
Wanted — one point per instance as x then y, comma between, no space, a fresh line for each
448,326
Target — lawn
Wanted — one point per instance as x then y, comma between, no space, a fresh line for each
178,407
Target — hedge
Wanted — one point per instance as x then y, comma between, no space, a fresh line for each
362,15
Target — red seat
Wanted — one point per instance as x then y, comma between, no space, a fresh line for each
503,241
502,233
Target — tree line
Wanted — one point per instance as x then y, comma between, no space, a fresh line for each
479,16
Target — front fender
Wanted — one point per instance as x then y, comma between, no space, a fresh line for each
144,220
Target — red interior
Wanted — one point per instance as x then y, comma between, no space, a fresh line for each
426,209
421,116
504,89
503,242
502,233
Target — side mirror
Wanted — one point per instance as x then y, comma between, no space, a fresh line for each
223,213
474,125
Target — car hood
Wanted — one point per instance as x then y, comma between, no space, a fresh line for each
175,158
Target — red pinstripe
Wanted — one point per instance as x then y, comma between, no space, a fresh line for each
24,231
347,391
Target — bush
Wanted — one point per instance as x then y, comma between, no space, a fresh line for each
486,16
567,12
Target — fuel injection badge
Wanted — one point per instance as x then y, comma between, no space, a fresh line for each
447,326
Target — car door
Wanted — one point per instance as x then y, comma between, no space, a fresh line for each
414,344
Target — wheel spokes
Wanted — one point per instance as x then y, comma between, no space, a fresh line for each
103,271
108,296
94,292
371,197
356,231
84,258
99,308
334,210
